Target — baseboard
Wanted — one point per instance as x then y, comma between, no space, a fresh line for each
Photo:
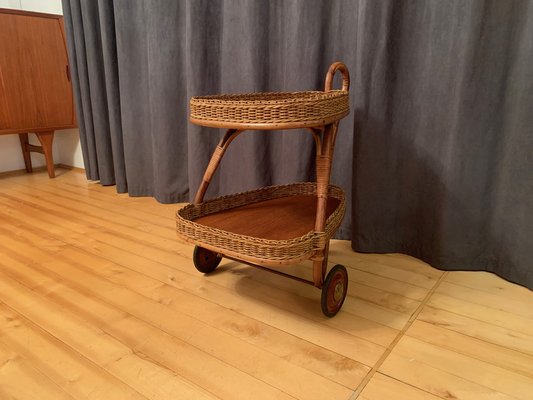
70,167
22,171
18,172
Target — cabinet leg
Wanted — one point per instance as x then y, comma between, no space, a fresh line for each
25,151
46,139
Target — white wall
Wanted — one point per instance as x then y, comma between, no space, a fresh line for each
67,148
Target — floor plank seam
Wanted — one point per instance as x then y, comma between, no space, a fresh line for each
98,299
77,287
55,236
71,349
54,195
389,349
394,279
134,351
510,330
126,237
65,216
21,358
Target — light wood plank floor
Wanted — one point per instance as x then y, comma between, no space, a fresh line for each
99,300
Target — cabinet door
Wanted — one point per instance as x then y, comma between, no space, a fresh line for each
35,89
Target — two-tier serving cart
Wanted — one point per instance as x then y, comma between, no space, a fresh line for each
277,225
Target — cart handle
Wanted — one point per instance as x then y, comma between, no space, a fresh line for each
345,76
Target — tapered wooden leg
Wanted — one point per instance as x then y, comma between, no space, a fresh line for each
46,139
25,151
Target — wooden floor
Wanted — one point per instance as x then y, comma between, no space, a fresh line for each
98,300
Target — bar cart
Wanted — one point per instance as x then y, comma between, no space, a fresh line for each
277,225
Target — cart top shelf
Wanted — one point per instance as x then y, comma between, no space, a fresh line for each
275,110
278,110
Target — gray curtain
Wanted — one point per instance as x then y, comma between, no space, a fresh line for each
435,156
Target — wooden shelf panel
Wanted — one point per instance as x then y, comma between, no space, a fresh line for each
278,219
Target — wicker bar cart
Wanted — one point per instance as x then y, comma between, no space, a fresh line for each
277,225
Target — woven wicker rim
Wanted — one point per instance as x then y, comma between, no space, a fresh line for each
287,109
252,247
266,98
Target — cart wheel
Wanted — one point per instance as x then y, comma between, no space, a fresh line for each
334,290
205,260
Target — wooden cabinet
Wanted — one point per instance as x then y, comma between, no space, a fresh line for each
35,89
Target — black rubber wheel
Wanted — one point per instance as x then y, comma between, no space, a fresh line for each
205,260
334,290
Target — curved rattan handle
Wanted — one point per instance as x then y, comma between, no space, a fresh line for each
345,76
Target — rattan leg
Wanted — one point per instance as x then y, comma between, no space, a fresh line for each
214,163
323,172
320,266
318,279
325,260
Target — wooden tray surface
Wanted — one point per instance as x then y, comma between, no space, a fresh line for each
277,219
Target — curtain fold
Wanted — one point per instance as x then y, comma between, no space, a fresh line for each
435,156
443,149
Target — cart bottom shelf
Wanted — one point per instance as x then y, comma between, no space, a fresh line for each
276,219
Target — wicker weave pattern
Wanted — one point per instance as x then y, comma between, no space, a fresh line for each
292,249
270,108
